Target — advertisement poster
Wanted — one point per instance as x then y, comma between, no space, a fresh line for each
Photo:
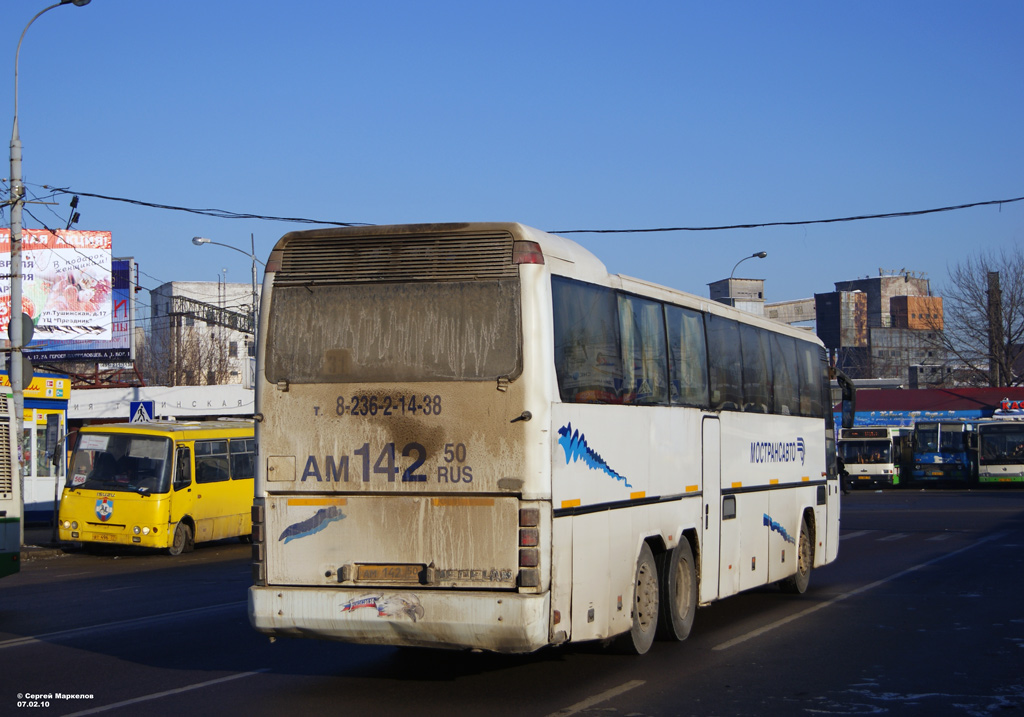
119,348
66,283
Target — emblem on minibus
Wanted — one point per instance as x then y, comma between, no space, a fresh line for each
104,509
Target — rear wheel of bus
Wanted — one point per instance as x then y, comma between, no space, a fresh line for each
678,592
798,582
640,636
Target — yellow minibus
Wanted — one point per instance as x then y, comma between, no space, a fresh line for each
160,485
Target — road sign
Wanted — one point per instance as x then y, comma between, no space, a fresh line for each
141,411
28,371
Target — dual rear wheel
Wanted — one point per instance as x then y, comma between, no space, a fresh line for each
665,592
664,598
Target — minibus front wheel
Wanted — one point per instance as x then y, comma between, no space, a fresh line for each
183,540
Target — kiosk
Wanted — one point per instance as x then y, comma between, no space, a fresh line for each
46,396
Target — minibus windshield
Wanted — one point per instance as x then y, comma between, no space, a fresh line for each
121,461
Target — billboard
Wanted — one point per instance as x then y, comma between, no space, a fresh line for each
66,283
124,277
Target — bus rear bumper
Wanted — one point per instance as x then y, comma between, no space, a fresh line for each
498,622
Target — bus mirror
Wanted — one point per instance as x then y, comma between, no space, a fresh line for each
849,413
53,437
849,398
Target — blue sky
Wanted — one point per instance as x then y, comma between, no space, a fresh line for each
560,115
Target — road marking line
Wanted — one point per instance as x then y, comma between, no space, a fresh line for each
855,534
944,536
894,536
863,589
597,699
165,693
149,620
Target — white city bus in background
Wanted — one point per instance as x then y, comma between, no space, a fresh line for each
10,492
1000,450
874,455
474,436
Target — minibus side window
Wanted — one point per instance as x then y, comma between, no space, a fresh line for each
182,468
211,461
243,458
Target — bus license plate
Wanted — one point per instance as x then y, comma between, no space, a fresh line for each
104,536
389,573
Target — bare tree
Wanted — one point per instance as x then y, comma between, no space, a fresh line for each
984,318
184,355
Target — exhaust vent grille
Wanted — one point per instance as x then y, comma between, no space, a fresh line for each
308,261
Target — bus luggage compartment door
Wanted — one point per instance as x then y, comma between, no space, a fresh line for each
430,541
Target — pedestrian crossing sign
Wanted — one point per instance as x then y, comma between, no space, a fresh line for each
141,411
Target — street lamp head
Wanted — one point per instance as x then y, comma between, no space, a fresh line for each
756,255
199,241
76,3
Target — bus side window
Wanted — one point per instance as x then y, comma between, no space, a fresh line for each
755,347
182,468
689,357
243,458
644,357
588,361
786,380
212,461
810,380
726,363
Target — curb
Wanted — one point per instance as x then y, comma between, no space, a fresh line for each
42,552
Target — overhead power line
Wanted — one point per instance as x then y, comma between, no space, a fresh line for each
225,214
804,222
218,213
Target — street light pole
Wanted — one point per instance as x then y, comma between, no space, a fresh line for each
756,255
199,241
17,201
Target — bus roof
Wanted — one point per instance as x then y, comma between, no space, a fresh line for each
563,257
182,428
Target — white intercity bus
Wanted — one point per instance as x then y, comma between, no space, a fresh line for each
473,436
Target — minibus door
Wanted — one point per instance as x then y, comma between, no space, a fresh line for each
182,496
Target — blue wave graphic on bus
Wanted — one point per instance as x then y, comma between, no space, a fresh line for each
318,522
576,449
777,527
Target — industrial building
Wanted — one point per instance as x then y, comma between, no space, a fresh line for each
888,326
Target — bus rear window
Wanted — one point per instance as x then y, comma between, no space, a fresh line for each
429,331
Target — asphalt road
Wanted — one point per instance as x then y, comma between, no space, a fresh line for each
921,615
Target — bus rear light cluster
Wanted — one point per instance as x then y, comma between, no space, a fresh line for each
527,252
259,555
529,550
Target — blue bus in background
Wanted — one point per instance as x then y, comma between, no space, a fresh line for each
942,453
